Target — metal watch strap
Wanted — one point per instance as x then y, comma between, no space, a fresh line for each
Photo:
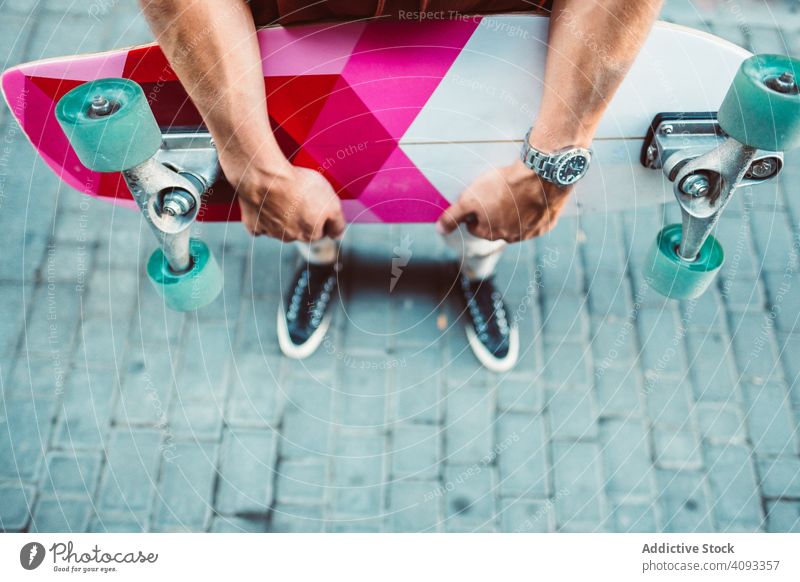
539,162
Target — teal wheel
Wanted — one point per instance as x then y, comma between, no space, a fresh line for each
193,289
762,107
677,278
109,124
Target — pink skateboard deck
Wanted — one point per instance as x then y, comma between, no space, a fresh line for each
399,116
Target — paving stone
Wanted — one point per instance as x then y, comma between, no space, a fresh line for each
567,364
12,312
721,423
355,525
223,524
521,451
51,325
618,391
256,397
573,414
247,472
69,473
737,504
634,517
780,477
662,340
711,367
16,500
769,419
753,346
784,300
184,501
25,427
705,313
129,477
296,518
147,388
676,449
416,386
527,515
602,249
85,416
116,523
564,318
61,515
613,341
667,400
468,430
577,471
783,516
774,241
684,502
609,295
302,482
196,419
35,377
359,468
519,394
415,506
304,434
470,492
626,459
13,43
416,451
361,399
202,372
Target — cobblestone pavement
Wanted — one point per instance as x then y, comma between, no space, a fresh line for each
626,413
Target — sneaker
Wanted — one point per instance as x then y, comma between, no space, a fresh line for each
304,318
494,341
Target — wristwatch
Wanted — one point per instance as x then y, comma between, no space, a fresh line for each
562,168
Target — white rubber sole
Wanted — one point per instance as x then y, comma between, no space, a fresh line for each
291,349
487,358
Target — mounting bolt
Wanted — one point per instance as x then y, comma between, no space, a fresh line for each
177,202
667,129
763,168
100,106
784,83
695,185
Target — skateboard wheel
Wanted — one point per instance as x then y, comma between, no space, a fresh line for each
677,278
762,106
109,124
193,289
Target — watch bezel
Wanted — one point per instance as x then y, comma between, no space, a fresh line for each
566,156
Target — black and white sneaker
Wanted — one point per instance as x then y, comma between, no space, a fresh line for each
494,341
304,317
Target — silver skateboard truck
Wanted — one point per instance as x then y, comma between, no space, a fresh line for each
707,156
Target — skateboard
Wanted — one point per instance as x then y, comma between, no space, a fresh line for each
400,116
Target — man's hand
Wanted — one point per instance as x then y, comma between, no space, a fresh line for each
510,203
291,204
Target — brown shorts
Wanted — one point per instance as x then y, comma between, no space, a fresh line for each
268,12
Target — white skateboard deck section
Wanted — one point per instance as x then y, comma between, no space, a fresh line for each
492,92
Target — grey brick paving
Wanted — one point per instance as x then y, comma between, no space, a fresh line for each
627,412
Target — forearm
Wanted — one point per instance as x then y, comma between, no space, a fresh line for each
592,45
213,48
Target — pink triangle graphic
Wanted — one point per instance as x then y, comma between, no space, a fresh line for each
400,192
397,65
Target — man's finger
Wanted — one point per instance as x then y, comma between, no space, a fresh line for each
451,218
335,225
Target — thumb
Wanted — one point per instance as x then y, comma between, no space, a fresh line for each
451,217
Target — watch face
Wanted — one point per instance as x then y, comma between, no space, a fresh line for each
572,167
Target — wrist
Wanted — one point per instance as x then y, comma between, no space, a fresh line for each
550,138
